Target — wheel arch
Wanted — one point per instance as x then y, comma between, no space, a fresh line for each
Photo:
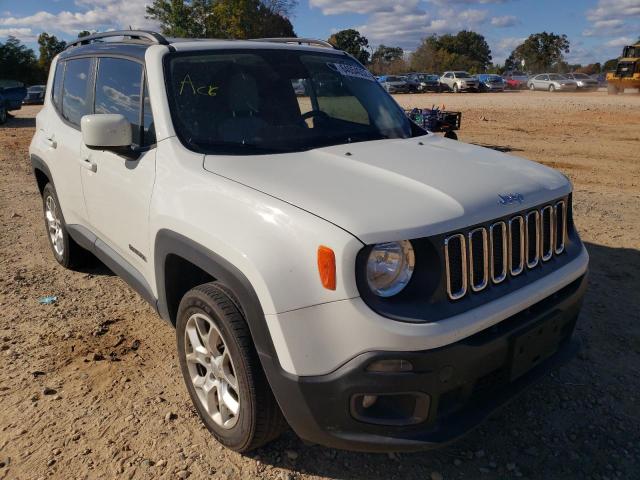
41,172
181,264
172,251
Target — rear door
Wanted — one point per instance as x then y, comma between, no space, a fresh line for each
544,82
117,188
60,136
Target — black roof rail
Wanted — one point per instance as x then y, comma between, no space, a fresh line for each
299,41
152,37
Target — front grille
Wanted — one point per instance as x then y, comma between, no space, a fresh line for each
489,255
455,255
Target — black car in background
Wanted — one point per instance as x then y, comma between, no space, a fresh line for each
423,82
11,95
35,95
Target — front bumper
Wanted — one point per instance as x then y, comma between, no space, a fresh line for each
33,101
465,381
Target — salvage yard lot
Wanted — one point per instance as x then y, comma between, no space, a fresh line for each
90,385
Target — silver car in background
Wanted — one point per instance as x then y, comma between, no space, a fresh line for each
394,83
551,82
459,81
584,81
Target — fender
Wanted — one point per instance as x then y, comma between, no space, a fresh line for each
38,164
169,242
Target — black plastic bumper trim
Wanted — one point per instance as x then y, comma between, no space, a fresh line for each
466,381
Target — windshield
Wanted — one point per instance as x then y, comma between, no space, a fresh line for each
493,78
462,75
35,88
581,75
273,101
427,77
395,79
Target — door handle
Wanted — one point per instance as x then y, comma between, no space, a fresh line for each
50,141
89,165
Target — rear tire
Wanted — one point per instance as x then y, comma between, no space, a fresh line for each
532,87
65,250
552,88
3,114
222,371
455,88
612,89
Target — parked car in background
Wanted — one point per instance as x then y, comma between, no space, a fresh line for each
515,80
11,95
488,82
551,82
394,83
583,81
459,81
423,82
35,95
601,79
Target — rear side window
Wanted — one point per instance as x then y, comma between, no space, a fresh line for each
118,90
76,97
56,94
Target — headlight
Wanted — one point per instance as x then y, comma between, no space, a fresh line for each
389,267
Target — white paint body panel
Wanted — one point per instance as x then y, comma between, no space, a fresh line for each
58,144
397,189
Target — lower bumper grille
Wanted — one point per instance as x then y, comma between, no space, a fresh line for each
492,254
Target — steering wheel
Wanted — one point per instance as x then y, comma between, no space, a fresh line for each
315,113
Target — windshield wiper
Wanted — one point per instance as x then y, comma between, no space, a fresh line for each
235,147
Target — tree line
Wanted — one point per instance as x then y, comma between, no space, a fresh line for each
466,50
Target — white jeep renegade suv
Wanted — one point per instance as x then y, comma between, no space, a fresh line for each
326,263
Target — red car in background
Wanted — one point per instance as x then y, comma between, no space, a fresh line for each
515,80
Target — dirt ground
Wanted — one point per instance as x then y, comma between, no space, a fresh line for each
90,385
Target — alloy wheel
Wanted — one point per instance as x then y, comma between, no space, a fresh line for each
211,370
54,225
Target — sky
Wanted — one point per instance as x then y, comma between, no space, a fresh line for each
597,29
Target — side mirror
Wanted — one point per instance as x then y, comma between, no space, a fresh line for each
106,131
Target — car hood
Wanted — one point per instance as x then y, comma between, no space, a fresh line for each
397,189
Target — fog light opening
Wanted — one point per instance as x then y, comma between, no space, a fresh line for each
395,409
368,400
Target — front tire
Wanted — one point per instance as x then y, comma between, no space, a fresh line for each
65,250
455,88
3,114
552,88
532,87
222,370
612,89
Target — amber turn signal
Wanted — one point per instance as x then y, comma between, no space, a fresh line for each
327,267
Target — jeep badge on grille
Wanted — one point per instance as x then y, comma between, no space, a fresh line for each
509,198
